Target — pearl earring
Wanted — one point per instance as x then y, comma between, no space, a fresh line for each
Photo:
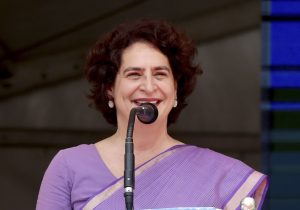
175,103
111,104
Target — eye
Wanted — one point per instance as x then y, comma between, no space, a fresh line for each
161,74
133,75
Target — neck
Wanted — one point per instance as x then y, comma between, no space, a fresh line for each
149,137
146,138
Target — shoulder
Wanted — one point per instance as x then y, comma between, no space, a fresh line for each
209,154
69,160
212,159
74,151
74,156
58,180
230,173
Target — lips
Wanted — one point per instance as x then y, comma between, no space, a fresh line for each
138,102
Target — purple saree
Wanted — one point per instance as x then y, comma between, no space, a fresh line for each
182,176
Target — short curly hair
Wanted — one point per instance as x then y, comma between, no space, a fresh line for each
104,60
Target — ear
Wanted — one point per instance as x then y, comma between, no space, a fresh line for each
110,93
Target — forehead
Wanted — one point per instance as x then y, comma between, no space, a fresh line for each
143,53
139,44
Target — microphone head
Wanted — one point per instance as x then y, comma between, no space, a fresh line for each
147,113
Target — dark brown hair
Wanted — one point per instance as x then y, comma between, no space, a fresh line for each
104,60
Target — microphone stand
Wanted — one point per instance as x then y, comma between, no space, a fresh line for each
147,113
129,177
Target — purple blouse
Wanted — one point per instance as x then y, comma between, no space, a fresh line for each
78,174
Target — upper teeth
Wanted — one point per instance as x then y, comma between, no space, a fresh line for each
141,102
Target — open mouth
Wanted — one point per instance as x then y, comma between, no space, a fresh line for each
139,102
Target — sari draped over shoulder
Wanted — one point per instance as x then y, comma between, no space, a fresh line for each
186,176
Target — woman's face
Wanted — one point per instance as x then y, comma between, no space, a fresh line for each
145,75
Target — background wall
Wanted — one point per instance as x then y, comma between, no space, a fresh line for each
280,101
43,107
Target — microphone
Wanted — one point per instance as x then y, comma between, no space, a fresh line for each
147,113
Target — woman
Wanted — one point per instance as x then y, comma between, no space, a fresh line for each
145,61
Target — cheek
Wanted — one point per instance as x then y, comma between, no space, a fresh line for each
168,88
126,88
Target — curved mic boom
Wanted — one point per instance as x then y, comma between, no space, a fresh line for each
147,113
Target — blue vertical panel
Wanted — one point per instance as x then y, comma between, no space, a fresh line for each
285,43
284,78
281,102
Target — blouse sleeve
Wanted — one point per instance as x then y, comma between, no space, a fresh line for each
260,191
255,185
55,190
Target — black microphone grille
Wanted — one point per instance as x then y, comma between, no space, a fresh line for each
147,113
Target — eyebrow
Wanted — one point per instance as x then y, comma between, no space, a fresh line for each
132,69
140,69
162,68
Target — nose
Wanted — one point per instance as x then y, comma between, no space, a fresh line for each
148,84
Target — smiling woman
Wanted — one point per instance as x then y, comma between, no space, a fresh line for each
138,62
106,57
145,75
